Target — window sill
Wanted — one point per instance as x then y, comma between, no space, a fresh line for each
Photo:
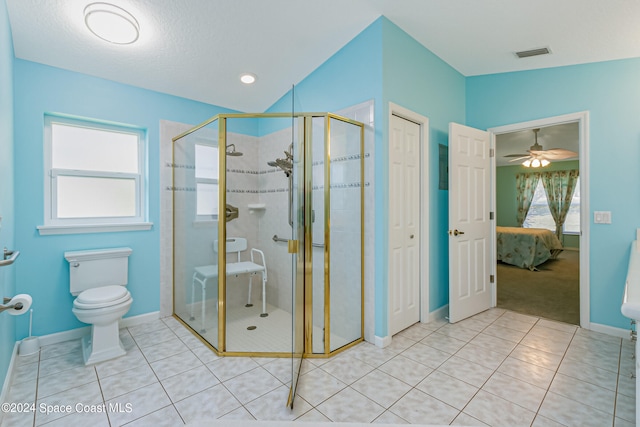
46,230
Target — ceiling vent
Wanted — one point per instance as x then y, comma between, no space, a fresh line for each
533,52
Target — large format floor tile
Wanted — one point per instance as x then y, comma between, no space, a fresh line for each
498,368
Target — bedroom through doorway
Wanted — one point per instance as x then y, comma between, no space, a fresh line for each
538,212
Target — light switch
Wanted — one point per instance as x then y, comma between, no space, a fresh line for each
602,217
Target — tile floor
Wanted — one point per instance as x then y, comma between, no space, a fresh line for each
498,368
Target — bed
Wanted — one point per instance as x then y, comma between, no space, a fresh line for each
526,247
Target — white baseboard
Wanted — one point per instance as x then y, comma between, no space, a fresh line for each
439,314
80,332
127,322
382,342
4,394
610,330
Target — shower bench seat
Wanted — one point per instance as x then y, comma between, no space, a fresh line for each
205,272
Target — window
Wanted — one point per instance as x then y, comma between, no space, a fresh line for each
572,222
539,215
94,177
206,172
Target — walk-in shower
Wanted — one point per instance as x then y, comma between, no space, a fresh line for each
282,274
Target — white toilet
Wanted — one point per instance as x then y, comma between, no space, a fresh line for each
99,278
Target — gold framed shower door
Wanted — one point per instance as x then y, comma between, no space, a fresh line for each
306,248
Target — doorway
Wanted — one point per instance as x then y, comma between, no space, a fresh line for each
557,288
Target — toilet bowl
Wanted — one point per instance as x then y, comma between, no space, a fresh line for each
98,279
103,311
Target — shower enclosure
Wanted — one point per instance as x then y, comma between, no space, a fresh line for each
268,234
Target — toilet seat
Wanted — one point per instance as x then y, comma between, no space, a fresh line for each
105,296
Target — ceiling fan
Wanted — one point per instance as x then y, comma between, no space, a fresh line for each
538,157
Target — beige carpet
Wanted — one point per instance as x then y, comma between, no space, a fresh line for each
553,292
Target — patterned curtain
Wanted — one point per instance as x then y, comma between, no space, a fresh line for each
526,184
559,186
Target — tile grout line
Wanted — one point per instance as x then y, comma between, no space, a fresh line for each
575,331
496,369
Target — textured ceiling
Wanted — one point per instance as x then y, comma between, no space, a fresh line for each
197,48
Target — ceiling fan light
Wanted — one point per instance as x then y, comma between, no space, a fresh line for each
535,163
545,162
111,23
527,163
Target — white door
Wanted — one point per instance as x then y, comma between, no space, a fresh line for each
404,224
469,225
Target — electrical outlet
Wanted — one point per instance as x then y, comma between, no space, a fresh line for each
602,217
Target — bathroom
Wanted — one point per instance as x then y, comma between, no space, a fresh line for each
350,77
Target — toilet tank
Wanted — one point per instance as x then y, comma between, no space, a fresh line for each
97,267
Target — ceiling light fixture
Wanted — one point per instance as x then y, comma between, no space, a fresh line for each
111,23
248,78
536,163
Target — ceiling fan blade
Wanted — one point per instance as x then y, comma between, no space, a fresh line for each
557,154
517,155
519,158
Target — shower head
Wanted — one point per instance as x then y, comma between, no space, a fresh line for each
231,151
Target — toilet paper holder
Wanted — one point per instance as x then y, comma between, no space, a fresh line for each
5,300
8,257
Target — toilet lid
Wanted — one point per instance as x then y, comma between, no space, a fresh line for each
102,295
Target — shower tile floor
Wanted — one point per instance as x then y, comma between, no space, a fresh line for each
247,331
498,368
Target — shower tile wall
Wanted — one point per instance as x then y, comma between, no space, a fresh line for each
168,130
274,220
242,189
364,113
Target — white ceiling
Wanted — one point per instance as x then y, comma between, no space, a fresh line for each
197,48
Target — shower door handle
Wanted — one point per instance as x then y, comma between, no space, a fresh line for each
292,246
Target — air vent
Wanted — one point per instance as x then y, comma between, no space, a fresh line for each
533,52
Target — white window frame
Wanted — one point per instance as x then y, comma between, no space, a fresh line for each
55,225
207,219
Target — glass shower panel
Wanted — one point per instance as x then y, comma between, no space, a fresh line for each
259,304
345,233
195,223
317,160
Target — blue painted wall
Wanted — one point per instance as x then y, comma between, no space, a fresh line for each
351,76
7,276
42,270
416,79
610,92
385,64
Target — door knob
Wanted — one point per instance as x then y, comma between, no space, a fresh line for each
411,237
455,232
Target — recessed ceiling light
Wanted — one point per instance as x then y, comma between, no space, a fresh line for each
111,23
248,78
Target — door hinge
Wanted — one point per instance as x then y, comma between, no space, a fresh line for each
492,152
492,278
490,215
